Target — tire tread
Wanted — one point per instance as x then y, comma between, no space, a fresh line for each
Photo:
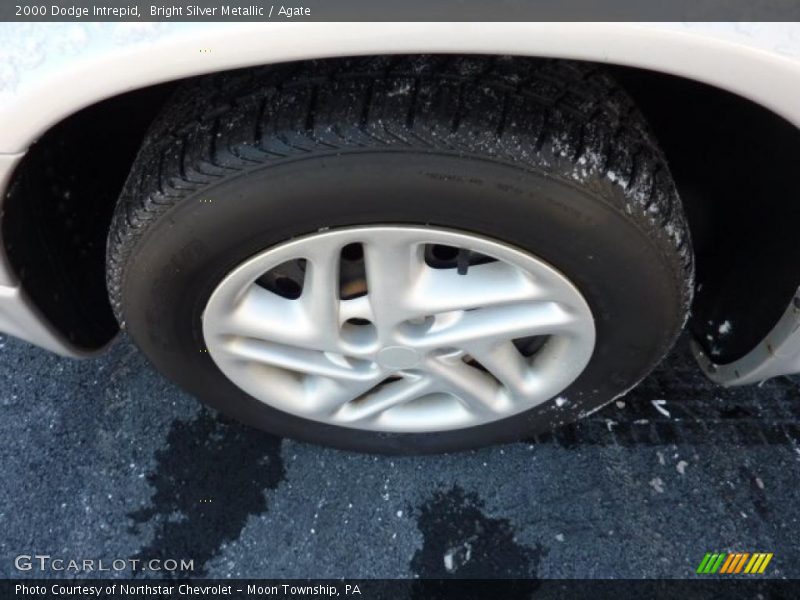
568,119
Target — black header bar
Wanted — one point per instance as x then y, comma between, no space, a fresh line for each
399,10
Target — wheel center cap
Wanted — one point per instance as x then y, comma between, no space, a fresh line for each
397,357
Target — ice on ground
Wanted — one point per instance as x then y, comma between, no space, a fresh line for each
659,406
457,556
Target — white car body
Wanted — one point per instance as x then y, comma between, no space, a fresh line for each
50,71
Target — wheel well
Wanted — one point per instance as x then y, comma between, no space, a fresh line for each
731,159
733,162
58,209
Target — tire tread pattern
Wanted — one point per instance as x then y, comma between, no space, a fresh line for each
568,119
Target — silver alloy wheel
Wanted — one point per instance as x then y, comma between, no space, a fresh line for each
414,345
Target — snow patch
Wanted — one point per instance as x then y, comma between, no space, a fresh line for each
457,556
659,406
401,91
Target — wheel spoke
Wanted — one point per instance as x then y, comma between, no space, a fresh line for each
506,363
486,285
357,308
321,292
477,391
374,404
260,314
325,396
483,327
392,267
299,360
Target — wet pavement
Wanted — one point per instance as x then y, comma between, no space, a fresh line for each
105,459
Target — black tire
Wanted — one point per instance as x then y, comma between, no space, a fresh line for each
550,156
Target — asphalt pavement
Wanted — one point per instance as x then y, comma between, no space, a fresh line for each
105,459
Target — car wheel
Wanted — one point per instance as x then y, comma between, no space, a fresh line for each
404,255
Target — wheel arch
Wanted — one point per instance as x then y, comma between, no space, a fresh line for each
756,63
